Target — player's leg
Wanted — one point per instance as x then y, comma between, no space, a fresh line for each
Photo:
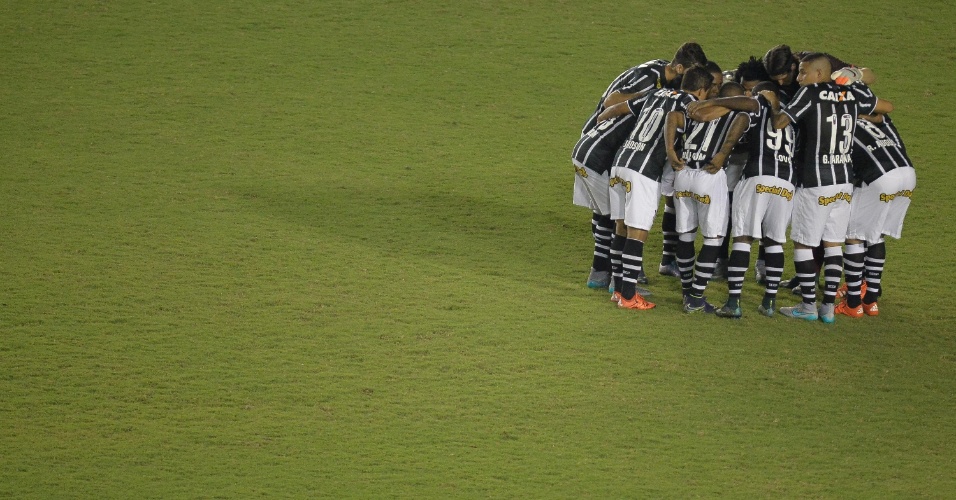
833,237
668,266
807,231
873,264
642,195
710,204
603,229
774,260
736,269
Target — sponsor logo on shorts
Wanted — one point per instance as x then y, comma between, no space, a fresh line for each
705,199
617,180
886,197
580,171
826,200
777,190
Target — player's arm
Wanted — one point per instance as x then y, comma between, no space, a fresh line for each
873,118
883,107
614,111
618,97
737,129
675,121
712,109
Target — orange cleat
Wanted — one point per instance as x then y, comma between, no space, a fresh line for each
635,302
853,312
841,292
871,309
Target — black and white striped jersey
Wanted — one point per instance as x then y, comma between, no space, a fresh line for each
877,149
596,147
770,150
641,78
644,150
825,116
700,141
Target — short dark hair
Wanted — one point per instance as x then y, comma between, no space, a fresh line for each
751,70
689,54
778,60
766,85
815,57
712,67
731,89
696,78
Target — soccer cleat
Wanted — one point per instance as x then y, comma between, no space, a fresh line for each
669,270
870,309
643,291
599,279
616,297
642,278
826,313
635,302
698,304
720,270
853,312
728,311
801,311
766,311
841,292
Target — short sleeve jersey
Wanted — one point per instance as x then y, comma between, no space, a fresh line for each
771,150
825,115
644,150
641,78
702,140
877,149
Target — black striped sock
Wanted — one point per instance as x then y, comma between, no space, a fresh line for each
873,264
773,256
704,267
603,228
632,262
806,269
685,260
832,272
853,271
669,230
737,268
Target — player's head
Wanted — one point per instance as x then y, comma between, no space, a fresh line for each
749,73
769,86
697,80
718,75
780,64
814,68
688,55
731,89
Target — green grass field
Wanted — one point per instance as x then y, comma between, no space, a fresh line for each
326,249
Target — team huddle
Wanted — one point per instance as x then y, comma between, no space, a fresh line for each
793,140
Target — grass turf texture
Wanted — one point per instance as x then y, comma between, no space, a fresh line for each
302,249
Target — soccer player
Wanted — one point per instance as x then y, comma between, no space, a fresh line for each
763,198
700,193
885,182
825,114
593,154
749,73
688,55
636,174
782,65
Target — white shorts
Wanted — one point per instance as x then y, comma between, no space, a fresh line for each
821,214
667,180
634,198
591,189
735,169
701,200
879,208
762,207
